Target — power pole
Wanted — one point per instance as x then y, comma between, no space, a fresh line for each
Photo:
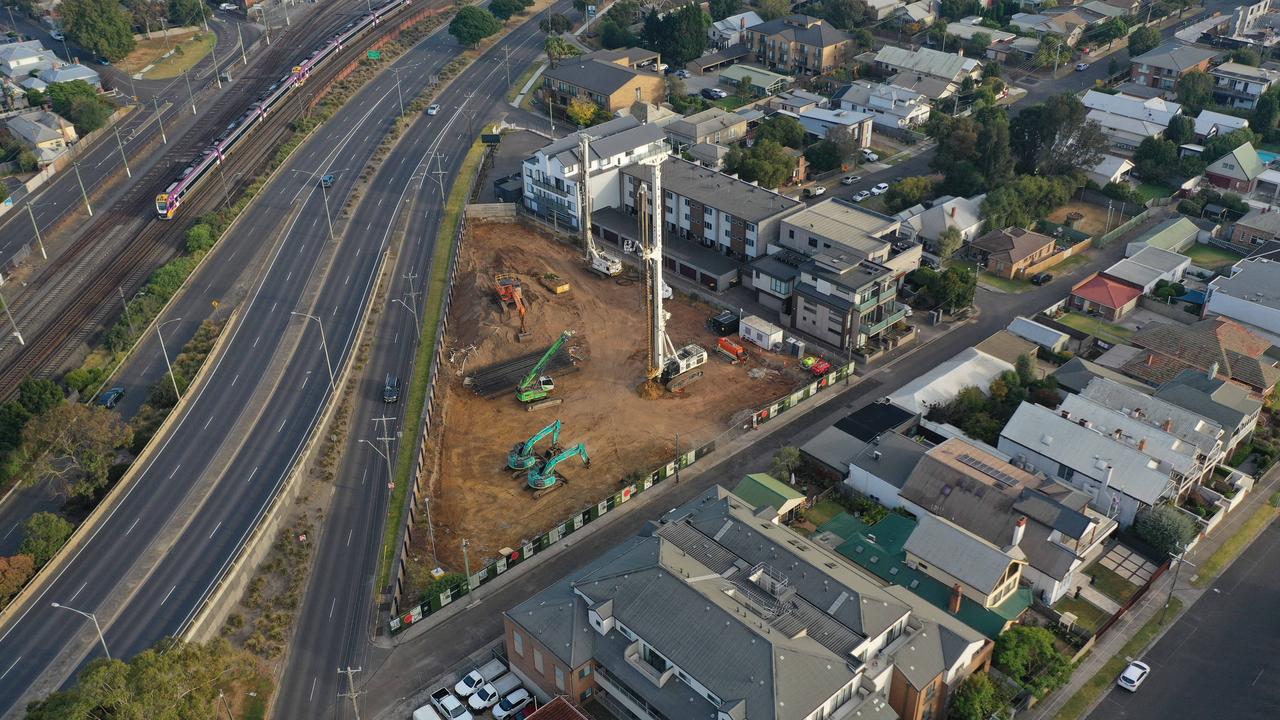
439,172
351,688
413,293
386,446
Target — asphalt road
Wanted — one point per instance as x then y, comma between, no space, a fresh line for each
157,554
1219,659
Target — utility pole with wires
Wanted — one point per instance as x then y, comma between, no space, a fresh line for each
439,172
351,688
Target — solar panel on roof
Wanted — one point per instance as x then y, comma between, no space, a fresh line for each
1000,476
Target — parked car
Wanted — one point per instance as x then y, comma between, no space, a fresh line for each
709,93
426,712
861,195
227,7
111,398
1081,67
57,35
433,109
815,191
1133,675
512,704
102,60
869,156
1041,278
848,179
450,706
683,74
489,695
880,189
477,678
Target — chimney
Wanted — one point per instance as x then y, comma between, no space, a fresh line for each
1151,359
1213,371
1065,414
1142,444
742,23
1167,425
1117,433
1019,528
957,594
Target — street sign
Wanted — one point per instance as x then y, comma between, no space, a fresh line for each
591,11
375,54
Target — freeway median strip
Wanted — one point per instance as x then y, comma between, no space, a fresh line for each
437,289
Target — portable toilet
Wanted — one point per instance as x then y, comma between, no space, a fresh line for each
761,332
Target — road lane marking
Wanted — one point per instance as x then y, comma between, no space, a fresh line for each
251,474
288,277
166,595
358,249
235,379
396,339
362,476
255,340
15,527
135,522
1255,680
344,282
304,381
206,422
349,536
215,529
313,689
15,663
334,604
178,467
282,422
73,599
273,305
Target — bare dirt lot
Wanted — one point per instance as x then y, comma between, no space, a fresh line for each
1094,221
473,495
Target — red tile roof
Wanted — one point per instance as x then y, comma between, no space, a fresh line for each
1232,348
1107,291
558,709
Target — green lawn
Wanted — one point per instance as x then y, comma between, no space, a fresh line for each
1088,616
1210,257
731,103
1234,545
1071,263
514,90
1150,191
1004,284
1102,681
1096,327
822,512
1109,583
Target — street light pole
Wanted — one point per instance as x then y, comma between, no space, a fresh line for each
323,344
123,158
176,394
190,95
1176,570
128,316
75,164
36,227
244,59
96,626
160,120
16,333
416,325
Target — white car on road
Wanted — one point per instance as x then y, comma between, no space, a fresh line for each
849,180
228,7
861,195
433,108
1133,675
880,189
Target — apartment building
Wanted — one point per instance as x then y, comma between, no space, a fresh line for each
1240,86
1205,435
714,613
851,228
713,125
605,78
1223,402
797,44
551,175
1164,66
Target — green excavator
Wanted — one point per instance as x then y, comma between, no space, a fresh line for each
522,455
543,478
536,386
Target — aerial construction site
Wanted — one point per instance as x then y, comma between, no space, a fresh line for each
629,374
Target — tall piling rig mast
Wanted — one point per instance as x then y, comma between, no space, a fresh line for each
597,260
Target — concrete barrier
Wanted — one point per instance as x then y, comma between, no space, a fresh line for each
495,212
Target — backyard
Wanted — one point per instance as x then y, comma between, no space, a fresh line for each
1110,583
1151,191
1101,329
1212,258
1088,616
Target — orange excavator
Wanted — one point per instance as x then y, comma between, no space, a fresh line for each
510,293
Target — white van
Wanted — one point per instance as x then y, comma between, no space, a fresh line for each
426,712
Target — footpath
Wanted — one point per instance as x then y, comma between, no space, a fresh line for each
1188,589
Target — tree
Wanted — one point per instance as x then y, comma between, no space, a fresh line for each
37,395
558,48
1025,199
35,97
995,162
1143,40
1265,112
721,9
844,14
473,24
76,443
146,14
1113,67
99,26
1056,137
823,156
907,192
1027,655
581,111
773,9
766,162
1246,56
949,241
744,89
504,9
15,571
79,102
1112,30
678,36
555,24
978,698
613,35
976,46
1182,129
186,12
1052,51
174,679
956,287
785,462
782,129
1025,366
1156,159
1195,91
1165,528
1219,145
43,534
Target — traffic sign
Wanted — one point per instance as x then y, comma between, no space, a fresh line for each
375,54
591,11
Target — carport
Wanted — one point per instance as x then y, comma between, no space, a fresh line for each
717,60
687,259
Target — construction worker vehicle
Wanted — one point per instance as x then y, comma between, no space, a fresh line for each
820,368
732,350
555,283
598,260
511,293
523,456
681,369
724,323
543,477
536,386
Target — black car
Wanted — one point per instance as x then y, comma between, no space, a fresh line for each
1041,278
111,398
391,389
709,93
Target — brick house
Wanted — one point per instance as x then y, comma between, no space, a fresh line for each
1237,171
1163,67
1009,252
1109,297
610,83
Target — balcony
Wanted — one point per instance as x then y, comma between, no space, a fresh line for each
893,313
635,656
546,186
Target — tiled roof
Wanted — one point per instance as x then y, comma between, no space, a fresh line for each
598,76
1012,244
1107,291
1237,352
802,29
1242,163
558,709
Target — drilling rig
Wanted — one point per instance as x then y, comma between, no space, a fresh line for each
597,260
675,369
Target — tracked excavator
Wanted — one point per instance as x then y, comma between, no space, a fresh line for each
523,455
543,477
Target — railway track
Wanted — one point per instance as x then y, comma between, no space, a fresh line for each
76,294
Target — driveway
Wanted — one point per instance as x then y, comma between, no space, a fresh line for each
1219,659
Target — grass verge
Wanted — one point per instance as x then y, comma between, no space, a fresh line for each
1114,334
437,287
1234,545
514,90
1109,583
185,56
1005,285
1088,694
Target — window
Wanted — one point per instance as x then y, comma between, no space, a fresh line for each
585,672
813,242
559,679
751,227
537,660
517,642
779,286
726,232
791,234
1064,472
706,224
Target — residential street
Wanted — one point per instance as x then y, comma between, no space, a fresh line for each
1219,659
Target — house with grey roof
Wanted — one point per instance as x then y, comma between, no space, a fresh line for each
1164,66
889,107
1119,478
20,59
986,573
1075,375
1256,228
1204,434
1149,266
71,73
1250,295
982,492
44,133
928,224
950,69
1220,401
797,44
1182,461
711,613
876,469
1042,335
1238,85
713,125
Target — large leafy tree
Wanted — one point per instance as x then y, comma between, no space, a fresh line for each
100,26
823,156
473,24
1219,145
146,14
721,9
1056,137
1266,111
1027,655
1156,159
907,192
1025,199
186,12
949,241
766,162
79,102
772,9
555,24
995,161
1195,91
1166,528
844,14
1182,129
557,49
74,442
504,9
678,36
783,130
1143,40
15,571
978,698
43,534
